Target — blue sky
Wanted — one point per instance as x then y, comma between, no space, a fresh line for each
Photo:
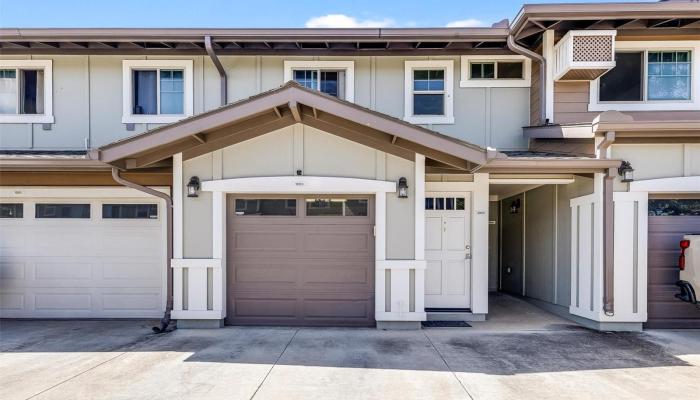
256,13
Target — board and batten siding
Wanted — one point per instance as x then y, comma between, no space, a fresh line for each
281,153
536,242
87,98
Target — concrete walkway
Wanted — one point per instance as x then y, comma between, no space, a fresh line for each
123,360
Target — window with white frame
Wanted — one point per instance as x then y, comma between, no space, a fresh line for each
157,91
26,91
649,76
334,78
428,92
495,71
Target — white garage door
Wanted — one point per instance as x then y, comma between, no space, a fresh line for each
85,257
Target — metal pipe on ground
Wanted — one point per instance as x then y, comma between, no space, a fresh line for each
165,321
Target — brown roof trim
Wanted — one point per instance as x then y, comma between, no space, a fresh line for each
548,165
51,164
664,20
621,123
284,106
281,41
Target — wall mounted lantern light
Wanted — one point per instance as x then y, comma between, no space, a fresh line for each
515,206
626,171
403,188
193,187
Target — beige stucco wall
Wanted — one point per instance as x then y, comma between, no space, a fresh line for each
653,161
87,98
316,153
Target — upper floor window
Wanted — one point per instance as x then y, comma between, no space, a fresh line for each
335,78
657,78
157,91
25,91
495,71
667,77
428,92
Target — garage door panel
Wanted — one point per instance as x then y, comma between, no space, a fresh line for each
340,274
11,301
325,242
281,307
265,241
48,270
130,270
300,270
56,301
12,270
130,301
252,271
336,309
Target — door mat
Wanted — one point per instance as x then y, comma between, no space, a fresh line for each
445,324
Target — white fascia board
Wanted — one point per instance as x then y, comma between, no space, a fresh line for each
299,184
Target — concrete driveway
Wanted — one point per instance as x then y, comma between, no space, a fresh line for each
123,360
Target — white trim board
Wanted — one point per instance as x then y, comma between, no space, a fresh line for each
679,184
467,82
127,95
348,66
299,184
47,116
68,192
654,105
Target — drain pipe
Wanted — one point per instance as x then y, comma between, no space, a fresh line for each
165,321
222,72
516,48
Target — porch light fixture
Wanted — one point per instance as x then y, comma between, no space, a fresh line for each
193,187
403,188
515,206
626,171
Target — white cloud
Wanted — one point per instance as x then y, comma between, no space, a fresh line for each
346,21
465,23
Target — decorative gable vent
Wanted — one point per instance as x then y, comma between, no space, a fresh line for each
584,55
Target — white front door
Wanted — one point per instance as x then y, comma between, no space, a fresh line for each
448,250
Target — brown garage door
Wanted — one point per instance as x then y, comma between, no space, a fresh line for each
669,220
295,260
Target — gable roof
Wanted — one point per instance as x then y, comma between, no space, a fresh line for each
284,106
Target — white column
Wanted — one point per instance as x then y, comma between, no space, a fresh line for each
379,253
177,230
548,54
419,188
219,251
480,244
177,206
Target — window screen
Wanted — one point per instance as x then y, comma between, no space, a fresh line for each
172,91
624,82
668,75
129,211
11,210
62,211
510,70
8,91
269,207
